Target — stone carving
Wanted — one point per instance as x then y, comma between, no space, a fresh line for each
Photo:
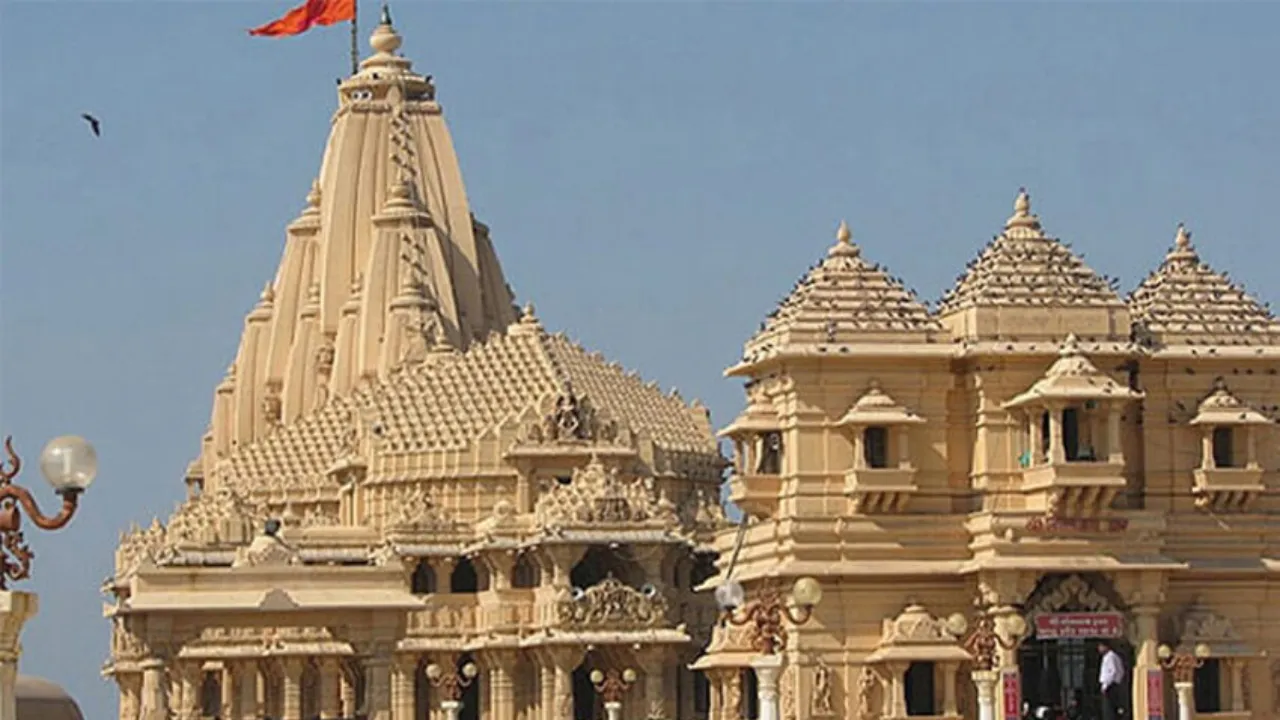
266,637
822,705
787,693
1072,592
272,405
1202,625
266,551
868,684
916,626
733,696
414,510
221,517
596,495
315,516
611,604
573,419
770,454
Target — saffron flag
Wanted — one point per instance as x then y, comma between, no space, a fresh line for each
310,13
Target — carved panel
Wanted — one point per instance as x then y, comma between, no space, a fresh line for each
598,495
612,604
822,704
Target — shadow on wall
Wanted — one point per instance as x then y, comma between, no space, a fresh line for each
39,699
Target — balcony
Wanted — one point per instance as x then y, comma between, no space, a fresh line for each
1079,488
1227,489
756,495
880,490
444,615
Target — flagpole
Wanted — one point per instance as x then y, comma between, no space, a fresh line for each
355,37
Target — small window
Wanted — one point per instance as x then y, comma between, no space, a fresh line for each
1071,435
524,574
211,696
424,579
919,689
1223,447
875,446
1208,687
464,579
564,480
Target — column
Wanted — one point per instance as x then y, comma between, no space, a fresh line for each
130,693
715,682
653,666
1207,461
226,693
1251,446
403,696
565,662
8,699
155,698
859,447
904,448
546,690
1115,445
190,679
247,690
502,689
985,683
291,703
1147,619
1057,450
330,695
1237,667
768,668
613,710
897,689
377,673
950,703
346,695
1036,452
1186,700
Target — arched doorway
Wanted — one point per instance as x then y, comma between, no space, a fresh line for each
587,703
1068,616
471,694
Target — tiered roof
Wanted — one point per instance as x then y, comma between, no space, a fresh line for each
843,299
1186,302
1024,267
453,399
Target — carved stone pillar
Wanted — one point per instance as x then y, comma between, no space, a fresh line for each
330,695
226,692
291,702
715,687
377,673
985,682
501,670
1237,667
190,682
950,703
1115,445
403,695
155,696
1186,694
347,695
564,661
546,690
130,694
1147,620
653,663
8,679
1057,448
246,690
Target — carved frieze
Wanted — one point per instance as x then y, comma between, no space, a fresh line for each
868,687
266,551
916,626
598,495
612,604
788,691
822,705
574,420
412,509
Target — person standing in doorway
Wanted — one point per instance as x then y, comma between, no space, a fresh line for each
1111,679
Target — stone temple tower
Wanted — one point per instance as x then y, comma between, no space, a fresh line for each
403,469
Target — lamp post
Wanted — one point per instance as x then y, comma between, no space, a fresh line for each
451,685
983,643
768,635
69,464
1183,665
612,686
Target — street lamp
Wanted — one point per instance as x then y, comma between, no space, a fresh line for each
982,643
768,636
451,685
612,686
69,464
1183,666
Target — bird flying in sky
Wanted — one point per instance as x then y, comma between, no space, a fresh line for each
94,125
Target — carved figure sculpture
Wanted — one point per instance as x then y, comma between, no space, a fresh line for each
771,454
867,684
822,703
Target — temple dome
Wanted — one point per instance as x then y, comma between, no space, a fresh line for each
39,699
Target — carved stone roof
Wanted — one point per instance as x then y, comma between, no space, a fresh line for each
454,398
1186,302
1222,407
1073,377
917,635
843,299
875,407
1023,267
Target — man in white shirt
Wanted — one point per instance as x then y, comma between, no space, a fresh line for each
1111,680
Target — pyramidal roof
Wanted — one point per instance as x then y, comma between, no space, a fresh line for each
385,261
1186,302
844,299
455,399
1024,267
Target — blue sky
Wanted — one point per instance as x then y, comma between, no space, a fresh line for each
656,176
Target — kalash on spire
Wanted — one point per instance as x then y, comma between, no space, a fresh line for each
406,478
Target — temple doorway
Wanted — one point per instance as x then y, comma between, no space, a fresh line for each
1068,616
470,695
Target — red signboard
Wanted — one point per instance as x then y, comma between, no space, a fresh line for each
1079,625
1011,686
1155,695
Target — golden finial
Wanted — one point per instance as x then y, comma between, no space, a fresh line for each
842,233
385,39
527,314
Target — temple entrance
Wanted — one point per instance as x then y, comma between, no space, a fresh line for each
1067,617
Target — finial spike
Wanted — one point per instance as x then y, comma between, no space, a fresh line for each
842,233
1022,205
386,14
1183,239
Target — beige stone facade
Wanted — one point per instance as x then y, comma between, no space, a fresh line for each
403,469
1098,466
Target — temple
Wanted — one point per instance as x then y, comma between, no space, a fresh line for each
403,471
1079,466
